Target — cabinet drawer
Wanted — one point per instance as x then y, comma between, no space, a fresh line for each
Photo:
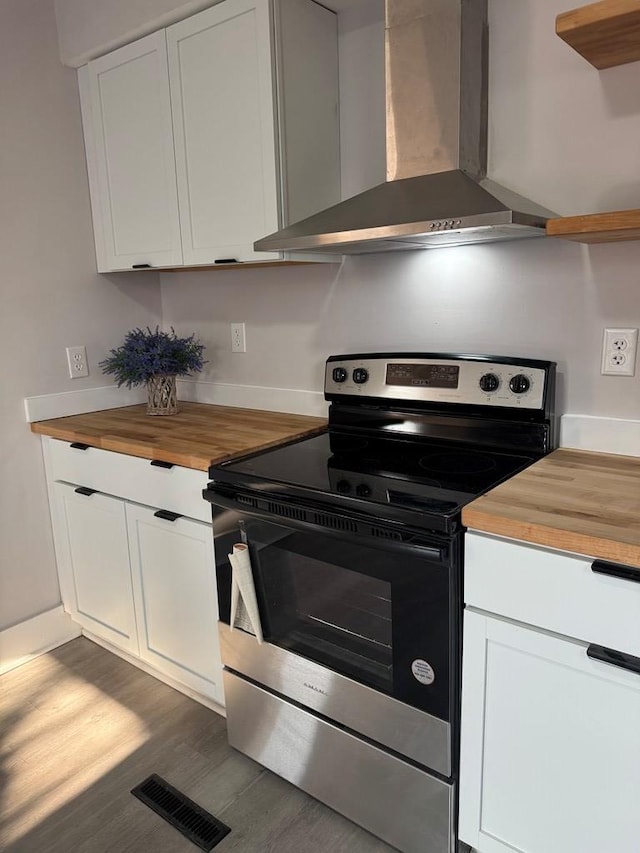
176,489
553,590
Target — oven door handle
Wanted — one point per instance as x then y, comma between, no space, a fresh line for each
433,553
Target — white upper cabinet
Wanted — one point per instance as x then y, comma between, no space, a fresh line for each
223,122
208,135
126,113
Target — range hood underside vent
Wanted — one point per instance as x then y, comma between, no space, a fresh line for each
415,213
436,193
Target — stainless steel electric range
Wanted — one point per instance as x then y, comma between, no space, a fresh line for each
353,552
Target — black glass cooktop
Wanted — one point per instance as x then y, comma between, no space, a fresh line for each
424,476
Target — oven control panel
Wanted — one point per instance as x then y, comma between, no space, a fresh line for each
433,378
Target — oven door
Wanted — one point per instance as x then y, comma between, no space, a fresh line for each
376,605
360,665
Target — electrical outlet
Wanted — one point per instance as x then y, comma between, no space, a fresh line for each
619,352
238,338
77,362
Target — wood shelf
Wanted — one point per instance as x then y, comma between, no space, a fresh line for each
605,33
618,225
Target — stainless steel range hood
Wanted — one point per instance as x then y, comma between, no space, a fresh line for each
436,192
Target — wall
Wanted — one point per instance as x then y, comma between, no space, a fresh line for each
558,127
560,132
89,28
555,123
51,296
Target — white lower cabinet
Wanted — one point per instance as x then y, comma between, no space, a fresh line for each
550,753
93,564
551,748
141,578
175,597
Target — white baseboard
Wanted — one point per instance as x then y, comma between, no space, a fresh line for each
605,435
35,636
78,402
291,400
66,403
585,432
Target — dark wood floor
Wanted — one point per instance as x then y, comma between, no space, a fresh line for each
79,728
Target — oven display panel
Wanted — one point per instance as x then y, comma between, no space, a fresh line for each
423,375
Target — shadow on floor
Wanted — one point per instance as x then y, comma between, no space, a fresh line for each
84,727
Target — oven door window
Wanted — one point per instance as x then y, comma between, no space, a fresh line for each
373,613
328,613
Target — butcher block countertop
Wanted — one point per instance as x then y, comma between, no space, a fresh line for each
576,500
198,436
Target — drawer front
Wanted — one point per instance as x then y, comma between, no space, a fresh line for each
552,590
175,489
401,804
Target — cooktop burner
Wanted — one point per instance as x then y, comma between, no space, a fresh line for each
462,462
418,474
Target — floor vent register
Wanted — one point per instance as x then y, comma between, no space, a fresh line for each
187,817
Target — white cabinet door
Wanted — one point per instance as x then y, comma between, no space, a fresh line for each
93,561
126,112
176,598
221,74
550,759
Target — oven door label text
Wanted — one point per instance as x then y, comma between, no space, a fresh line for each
423,671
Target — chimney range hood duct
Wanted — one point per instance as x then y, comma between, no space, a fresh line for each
436,192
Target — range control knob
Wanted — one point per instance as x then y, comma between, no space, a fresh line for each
519,383
339,374
363,491
343,486
489,382
360,375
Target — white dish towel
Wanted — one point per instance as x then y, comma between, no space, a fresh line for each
244,605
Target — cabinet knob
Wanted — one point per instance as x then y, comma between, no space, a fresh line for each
83,490
160,463
141,266
78,445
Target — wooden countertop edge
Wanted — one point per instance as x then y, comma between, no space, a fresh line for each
551,537
42,428
193,459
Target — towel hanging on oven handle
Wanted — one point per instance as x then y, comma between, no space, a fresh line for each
244,604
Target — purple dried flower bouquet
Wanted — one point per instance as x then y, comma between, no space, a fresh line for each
154,358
